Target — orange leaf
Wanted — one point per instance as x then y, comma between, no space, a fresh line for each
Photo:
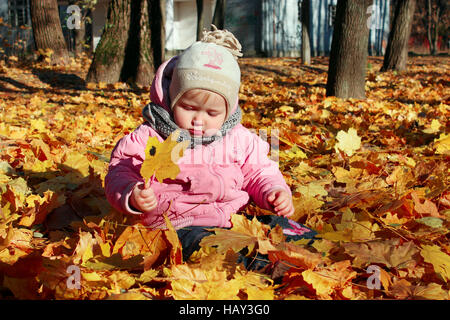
296,256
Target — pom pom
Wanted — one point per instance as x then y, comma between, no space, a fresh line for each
223,38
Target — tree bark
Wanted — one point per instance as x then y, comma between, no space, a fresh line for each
80,35
158,31
348,57
132,44
436,30
430,27
109,55
199,19
47,31
396,55
306,47
219,14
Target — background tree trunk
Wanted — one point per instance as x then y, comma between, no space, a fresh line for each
430,27
151,40
304,18
434,11
138,63
219,14
80,36
47,31
396,54
199,19
158,31
132,44
109,55
348,57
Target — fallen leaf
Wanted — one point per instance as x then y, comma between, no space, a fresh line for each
348,142
440,260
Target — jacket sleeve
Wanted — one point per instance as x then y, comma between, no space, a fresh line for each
124,168
261,174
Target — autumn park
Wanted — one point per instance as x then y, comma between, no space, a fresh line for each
352,98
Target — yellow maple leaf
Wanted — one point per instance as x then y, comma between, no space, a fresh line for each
255,285
328,279
83,251
38,124
432,291
244,233
77,161
439,260
348,142
442,144
434,127
161,157
293,153
228,239
313,189
197,283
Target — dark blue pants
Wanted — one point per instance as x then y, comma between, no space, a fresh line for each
190,238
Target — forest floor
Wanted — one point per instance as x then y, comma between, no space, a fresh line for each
370,176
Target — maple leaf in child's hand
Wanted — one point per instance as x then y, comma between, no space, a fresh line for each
161,157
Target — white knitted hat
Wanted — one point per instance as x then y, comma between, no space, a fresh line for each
210,64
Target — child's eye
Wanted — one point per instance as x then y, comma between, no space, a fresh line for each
185,107
213,114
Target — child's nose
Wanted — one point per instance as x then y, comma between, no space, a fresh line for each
197,121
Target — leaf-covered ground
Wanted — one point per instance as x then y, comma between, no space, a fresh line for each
372,177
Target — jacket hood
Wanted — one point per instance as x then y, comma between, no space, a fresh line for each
159,91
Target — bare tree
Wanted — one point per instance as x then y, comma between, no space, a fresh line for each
85,7
304,19
348,57
219,14
435,10
129,43
199,19
47,31
396,54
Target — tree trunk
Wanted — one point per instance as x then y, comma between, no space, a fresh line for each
158,31
306,47
132,44
152,41
396,54
348,57
436,30
80,35
138,64
199,19
109,55
219,14
47,31
429,25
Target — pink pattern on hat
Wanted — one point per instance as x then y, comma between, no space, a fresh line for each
214,57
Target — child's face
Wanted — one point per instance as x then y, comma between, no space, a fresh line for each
201,112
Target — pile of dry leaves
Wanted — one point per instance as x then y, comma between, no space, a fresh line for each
371,176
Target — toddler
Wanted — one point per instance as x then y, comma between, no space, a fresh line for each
225,164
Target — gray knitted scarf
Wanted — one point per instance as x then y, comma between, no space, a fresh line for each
162,121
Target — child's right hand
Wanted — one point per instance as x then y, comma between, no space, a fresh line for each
143,198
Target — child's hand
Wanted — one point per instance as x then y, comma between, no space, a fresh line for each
282,202
143,198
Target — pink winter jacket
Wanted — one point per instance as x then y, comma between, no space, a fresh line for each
215,180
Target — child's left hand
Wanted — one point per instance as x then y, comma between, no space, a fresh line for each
281,201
